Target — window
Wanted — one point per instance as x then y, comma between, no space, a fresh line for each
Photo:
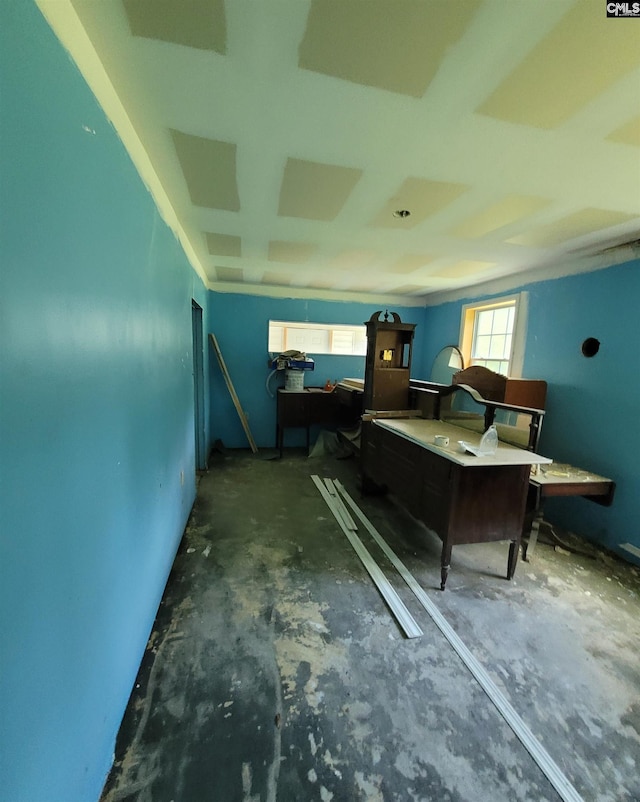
492,334
317,338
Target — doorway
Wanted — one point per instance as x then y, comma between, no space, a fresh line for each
198,386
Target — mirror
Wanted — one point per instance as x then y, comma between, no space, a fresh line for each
448,361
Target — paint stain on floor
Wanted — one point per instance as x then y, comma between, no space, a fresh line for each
275,672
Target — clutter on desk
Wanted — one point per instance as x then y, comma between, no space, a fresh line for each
292,360
294,363
488,443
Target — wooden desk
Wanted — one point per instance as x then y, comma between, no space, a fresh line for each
350,394
304,408
463,498
562,480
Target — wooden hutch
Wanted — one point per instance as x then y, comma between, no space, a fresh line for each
387,371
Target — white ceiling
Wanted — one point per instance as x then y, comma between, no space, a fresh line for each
279,136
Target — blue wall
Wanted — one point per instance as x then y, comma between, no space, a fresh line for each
96,410
241,323
591,419
96,420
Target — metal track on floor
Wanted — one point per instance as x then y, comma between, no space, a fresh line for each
346,523
542,758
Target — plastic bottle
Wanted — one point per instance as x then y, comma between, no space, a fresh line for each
489,442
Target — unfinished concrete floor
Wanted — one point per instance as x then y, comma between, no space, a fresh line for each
276,672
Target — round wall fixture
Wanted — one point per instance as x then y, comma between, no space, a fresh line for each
590,347
401,213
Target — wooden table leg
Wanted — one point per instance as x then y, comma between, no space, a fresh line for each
514,549
445,564
530,545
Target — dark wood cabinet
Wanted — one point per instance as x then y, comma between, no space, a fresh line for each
388,362
306,408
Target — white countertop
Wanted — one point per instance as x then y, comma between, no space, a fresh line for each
422,432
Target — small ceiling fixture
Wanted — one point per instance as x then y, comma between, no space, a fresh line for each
401,213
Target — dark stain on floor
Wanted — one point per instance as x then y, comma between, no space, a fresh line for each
274,670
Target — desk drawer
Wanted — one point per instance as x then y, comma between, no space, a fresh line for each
395,464
292,409
322,408
436,474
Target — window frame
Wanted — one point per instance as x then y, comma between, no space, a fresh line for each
359,336
518,338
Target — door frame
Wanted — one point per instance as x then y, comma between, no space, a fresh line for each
198,386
